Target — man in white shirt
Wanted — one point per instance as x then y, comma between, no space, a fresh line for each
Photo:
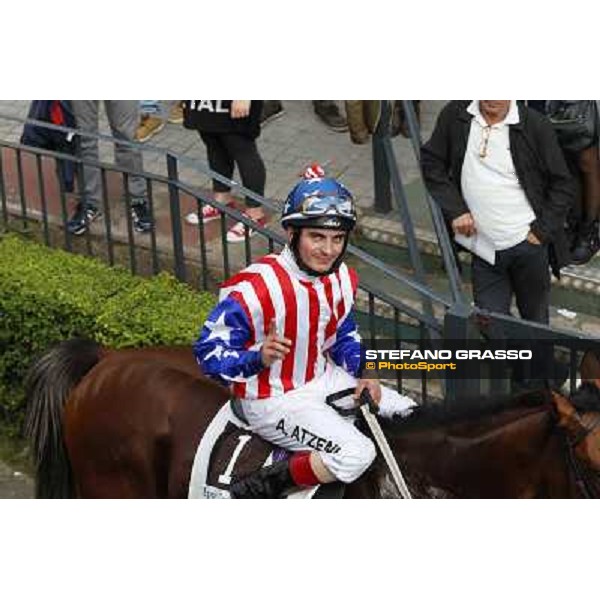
496,168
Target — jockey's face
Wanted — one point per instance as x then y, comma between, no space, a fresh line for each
320,248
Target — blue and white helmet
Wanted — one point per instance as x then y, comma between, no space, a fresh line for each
320,202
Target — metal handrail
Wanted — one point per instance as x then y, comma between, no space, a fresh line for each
416,286
441,231
521,329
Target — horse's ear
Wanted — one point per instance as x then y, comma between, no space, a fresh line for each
566,412
589,368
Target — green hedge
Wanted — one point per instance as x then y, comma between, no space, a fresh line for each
49,295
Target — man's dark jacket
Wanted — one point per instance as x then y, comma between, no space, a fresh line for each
539,164
57,112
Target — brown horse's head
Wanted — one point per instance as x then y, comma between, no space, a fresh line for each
580,417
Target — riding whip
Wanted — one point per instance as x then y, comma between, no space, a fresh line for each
368,407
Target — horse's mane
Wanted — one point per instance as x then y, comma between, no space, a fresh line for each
436,415
585,399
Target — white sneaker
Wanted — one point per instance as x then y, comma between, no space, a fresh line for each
209,214
237,233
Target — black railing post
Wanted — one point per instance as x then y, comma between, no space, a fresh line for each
202,236
397,346
153,246
3,192
414,129
129,221
175,207
44,204
64,216
106,209
458,327
84,198
381,172
21,180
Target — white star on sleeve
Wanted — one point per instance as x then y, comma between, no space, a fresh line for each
220,353
355,336
219,329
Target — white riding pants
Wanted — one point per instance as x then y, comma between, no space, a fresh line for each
301,420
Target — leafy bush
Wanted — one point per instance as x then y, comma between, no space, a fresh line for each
50,295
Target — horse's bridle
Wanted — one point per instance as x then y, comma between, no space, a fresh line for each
585,430
585,477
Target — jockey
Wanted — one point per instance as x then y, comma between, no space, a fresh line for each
284,337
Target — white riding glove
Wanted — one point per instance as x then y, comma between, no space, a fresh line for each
392,405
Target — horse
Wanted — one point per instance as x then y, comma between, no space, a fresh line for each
126,423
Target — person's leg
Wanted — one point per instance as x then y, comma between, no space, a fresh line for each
306,423
245,155
588,240
399,122
589,163
243,151
327,446
88,207
219,161
491,284
176,112
530,280
574,217
151,122
329,113
123,117
86,116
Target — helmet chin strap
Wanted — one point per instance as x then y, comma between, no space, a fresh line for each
304,267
